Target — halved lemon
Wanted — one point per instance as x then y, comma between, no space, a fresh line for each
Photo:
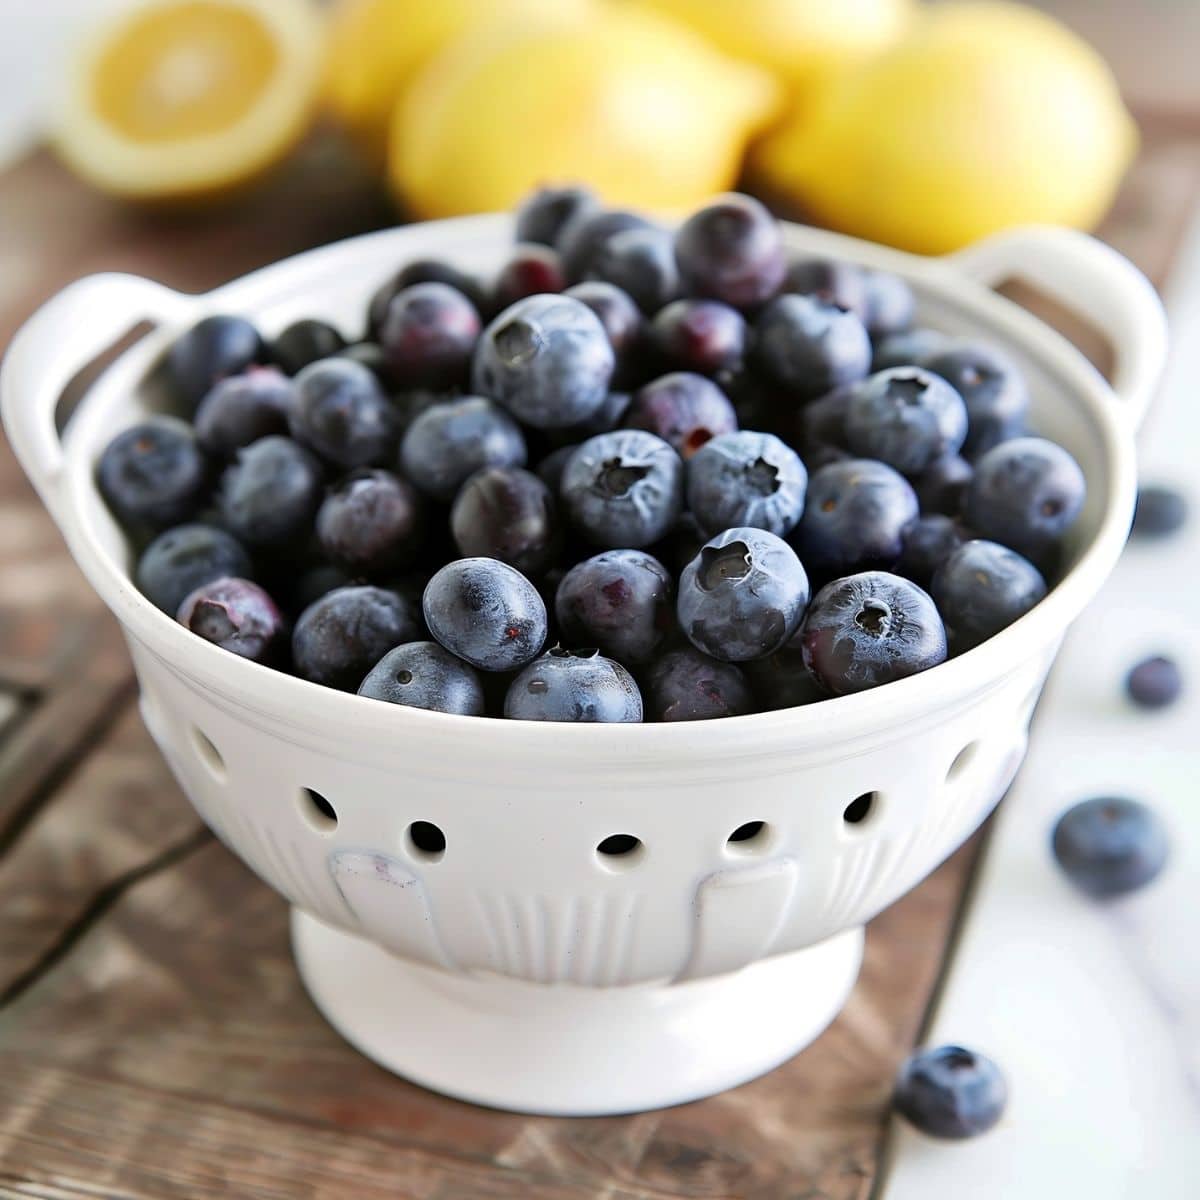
183,98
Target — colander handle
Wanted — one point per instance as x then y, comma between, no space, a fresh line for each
1092,280
58,341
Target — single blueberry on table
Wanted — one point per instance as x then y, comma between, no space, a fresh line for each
942,486
951,1092
153,474
1110,845
808,347
641,262
982,588
425,675
854,517
243,408
342,413
685,685
547,359
1160,511
621,318
341,636
427,335
870,629
508,514
841,283
305,342
452,439
704,336
370,523
543,215
743,596
731,250
531,270
621,601
992,388
623,489
912,348
486,612
781,680
1025,493
891,305
183,559
214,348
927,543
684,409
584,235
236,615
576,686
270,493
1155,682
905,417
746,478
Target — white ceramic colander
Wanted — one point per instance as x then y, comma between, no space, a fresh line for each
518,966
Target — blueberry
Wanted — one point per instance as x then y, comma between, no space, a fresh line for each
424,675
370,523
683,409
507,514
621,318
942,486
244,408
912,348
153,474
584,235
421,270
547,359
905,417
486,612
314,583
870,629
928,542
623,489
550,469
982,588
949,1092
184,558
890,305
743,596
608,417
236,615
993,389
305,342
641,262
270,494
705,336
427,335
822,423
580,686
781,680
731,250
746,478
1154,683
685,685
341,412
531,270
808,347
1160,511
341,636
211,350
621,601
1025,493
542,216
453,439
854,517
831,280
1109,846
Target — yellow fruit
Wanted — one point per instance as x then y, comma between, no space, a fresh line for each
184,98
987,115
802,41
377,46
642,109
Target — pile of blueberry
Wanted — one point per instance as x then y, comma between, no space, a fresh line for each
642,474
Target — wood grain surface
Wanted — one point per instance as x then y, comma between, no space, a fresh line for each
154,1038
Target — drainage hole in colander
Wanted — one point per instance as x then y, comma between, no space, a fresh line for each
962,761
619,851
317,811
208,753
860,808
749,838
426,841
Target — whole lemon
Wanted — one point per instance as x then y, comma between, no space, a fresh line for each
642,109
986,115
803,41
376,46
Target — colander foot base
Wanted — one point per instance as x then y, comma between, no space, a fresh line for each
564,1050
